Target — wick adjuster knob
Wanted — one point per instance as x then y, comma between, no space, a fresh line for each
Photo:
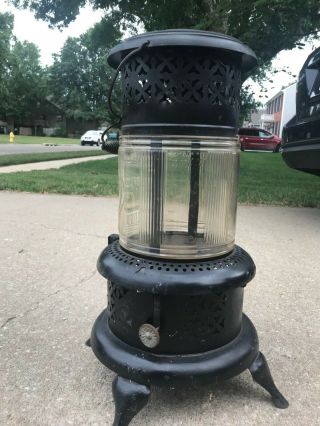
149,335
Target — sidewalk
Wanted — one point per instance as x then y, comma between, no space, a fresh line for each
46,165
50,295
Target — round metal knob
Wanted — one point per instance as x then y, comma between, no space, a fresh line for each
149,335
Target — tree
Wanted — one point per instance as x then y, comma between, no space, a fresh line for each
80,77
6,35
22,80
268,26
27,84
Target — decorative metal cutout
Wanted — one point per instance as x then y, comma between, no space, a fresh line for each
115,294
184,78
212,318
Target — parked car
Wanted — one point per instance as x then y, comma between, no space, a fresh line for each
301,135
111,142
91,137
252,138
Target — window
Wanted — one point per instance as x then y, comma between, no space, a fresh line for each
264,134
249,132
280,103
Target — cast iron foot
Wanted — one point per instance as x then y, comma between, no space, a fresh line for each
261,374
88,343
129,397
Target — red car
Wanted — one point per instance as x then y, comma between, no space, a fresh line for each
252,138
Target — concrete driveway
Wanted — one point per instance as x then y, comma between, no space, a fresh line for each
50,294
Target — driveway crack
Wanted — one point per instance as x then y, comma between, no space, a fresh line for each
80,234
51,228
43,299
7,321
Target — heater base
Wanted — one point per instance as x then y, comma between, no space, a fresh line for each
138,370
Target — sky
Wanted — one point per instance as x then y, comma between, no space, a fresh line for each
51,41
293,60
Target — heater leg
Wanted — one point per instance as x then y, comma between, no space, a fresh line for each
261,374
129,397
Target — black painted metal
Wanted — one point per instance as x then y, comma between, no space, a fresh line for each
199,303
158,276
185,38
301,135
261,374
194,191
156,171
129,398
166,370
188,324
177,82
138,370
184,82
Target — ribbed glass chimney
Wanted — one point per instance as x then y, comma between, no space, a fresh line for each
178,197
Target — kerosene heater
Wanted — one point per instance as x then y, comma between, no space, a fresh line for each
175,276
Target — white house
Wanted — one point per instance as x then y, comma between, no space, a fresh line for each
279,110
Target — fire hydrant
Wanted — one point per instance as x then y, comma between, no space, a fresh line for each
11,137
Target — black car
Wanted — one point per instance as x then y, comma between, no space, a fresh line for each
301,135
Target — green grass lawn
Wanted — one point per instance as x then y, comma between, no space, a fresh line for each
40,140
264,179
89,178
13,159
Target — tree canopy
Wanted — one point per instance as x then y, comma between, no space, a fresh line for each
22,79
6,28
267,26
79,78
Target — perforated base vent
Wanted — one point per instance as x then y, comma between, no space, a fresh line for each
174,277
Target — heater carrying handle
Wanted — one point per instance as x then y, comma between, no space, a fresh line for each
110,146
113,146
114,79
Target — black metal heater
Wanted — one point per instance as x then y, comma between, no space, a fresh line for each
175,277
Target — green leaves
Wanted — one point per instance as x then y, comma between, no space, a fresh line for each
268,26
22,80
80,77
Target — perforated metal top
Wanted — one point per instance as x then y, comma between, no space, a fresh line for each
172,277
184,38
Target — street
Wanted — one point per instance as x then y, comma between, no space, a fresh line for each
51,293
